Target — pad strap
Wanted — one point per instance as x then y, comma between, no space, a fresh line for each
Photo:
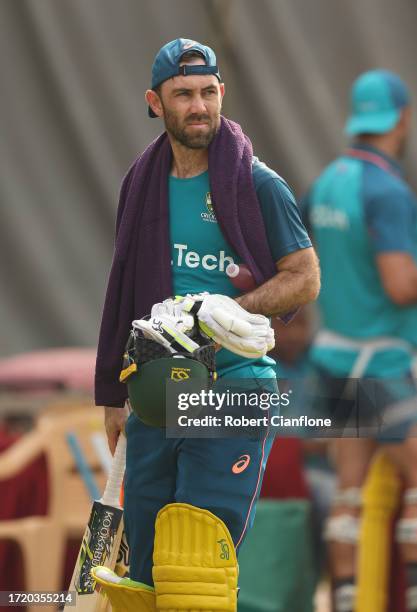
190,305
344,598
410,497
406,531
351,497
343,528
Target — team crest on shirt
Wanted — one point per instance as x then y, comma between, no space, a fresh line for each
210,214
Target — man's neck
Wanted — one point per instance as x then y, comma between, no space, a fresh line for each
188,162
385,144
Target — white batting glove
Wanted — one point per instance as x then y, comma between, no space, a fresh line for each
168,331
174,309
226,322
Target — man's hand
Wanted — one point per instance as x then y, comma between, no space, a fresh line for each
114,422
398,272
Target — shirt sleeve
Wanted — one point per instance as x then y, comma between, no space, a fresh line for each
304,204
284,228
392,222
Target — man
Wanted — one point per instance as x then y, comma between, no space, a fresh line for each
363,218
203,202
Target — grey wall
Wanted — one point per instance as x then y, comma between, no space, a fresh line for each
72,117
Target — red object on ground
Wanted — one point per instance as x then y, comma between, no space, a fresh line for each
26,494
284,477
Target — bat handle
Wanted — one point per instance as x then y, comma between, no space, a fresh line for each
111,495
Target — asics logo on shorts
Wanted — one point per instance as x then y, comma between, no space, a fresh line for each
241,464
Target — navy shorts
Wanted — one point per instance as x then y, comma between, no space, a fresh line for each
221,475
384,409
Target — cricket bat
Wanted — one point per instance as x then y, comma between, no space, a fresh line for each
99,441
102,537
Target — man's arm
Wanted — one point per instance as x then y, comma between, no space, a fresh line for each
391,220
296,284
398,272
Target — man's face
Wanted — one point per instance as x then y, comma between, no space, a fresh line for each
191,107
404,131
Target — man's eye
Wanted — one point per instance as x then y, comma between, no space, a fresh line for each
182,93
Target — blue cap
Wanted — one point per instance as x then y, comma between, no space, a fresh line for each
168,58
377,98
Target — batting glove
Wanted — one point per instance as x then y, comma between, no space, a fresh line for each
172,332
227,323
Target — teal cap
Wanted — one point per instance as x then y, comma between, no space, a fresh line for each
168,59
377,98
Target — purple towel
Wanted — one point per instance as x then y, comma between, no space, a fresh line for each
141,270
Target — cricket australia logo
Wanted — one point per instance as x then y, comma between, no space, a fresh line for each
210,214
224,548
178,374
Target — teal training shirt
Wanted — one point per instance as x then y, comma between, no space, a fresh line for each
200,253
359,207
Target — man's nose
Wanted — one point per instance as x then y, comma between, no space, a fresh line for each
198,104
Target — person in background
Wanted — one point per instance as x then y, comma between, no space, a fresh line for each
363,220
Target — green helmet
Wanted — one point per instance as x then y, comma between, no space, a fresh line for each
148,365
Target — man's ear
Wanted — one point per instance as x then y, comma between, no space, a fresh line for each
222,90
405,118
154,101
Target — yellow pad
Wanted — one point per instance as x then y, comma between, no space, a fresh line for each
195,564
125,595
380,500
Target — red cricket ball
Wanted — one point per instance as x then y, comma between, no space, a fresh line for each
240,277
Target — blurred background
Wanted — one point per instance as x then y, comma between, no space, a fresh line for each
72,119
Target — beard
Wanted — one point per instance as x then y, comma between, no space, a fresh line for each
178,129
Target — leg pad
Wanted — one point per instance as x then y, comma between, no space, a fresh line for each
195,564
